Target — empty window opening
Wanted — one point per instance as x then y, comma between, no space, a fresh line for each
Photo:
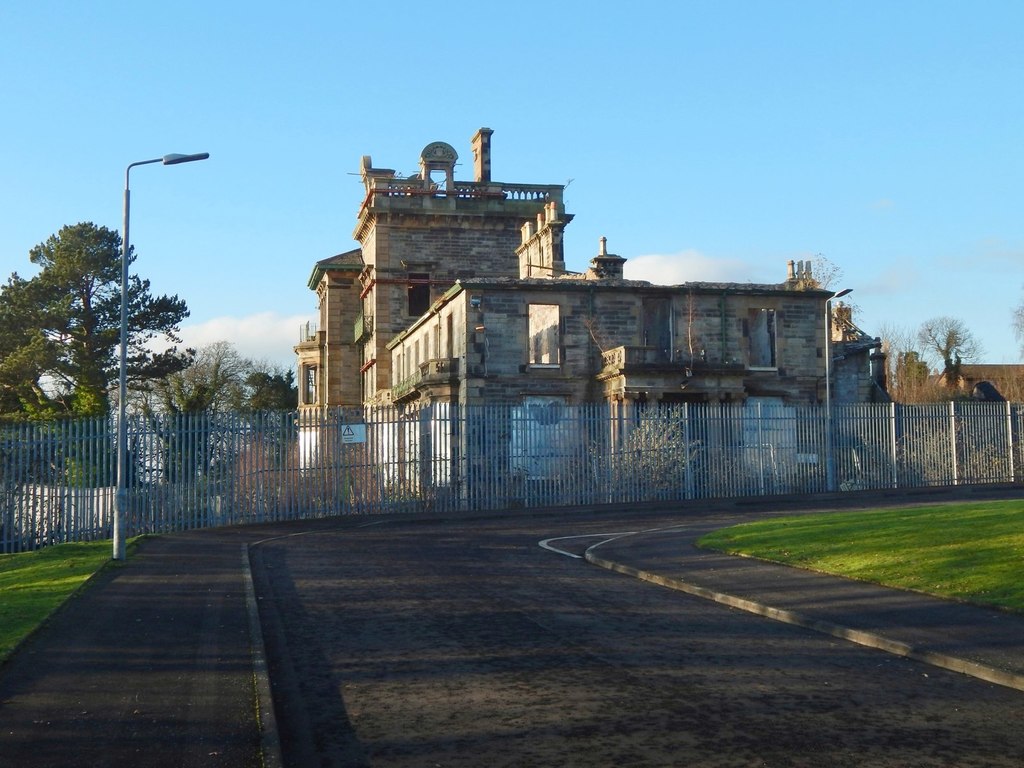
761,338
309,382
419,293
544,337
438,179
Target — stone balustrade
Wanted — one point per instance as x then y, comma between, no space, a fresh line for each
415,186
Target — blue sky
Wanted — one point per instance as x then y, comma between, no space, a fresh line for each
705,140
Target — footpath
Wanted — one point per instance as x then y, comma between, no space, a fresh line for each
984,643
149,665
157,662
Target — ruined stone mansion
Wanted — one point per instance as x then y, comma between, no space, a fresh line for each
458,293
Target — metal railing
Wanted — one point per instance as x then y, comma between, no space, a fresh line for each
201,470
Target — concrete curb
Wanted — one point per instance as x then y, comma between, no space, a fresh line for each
270,742
860,637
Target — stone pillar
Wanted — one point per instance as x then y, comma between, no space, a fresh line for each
876,362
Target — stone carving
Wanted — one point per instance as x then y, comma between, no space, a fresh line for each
439,152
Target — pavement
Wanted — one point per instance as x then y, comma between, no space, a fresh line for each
984,643
159,660
150,664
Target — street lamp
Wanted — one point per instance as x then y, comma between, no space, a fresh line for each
830,470
121,499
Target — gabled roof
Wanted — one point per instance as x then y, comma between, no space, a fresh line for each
349,261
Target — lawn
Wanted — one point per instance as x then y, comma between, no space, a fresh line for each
972,552
34,584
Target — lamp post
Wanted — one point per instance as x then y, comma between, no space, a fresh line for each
830,470
121,499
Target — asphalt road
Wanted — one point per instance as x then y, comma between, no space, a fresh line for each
467,644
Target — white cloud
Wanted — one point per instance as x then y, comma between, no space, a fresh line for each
266,336
693,266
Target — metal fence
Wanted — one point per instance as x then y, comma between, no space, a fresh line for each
200,470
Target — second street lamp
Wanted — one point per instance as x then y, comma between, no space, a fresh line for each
121,498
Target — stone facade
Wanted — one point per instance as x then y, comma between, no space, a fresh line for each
419,235
327,352
459,294
612,339
858,363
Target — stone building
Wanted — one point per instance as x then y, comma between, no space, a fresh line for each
458,293
417,236
992,381
858,362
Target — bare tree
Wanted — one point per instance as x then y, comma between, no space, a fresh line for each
1018,325
827,274
908,376
823,274
948,340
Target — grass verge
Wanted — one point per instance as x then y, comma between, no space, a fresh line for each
972,551
34,584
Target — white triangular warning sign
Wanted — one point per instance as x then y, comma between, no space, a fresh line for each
353,433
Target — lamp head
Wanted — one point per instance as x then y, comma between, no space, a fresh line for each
176,159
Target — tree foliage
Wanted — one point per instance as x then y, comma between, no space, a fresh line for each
211,382
271,390
60,330
912,376
908,376
220,379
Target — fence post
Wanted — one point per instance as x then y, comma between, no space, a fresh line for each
760,449
688,491
953,442
894,446
830,471
1009,441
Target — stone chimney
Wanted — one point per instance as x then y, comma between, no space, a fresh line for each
876,366
481,143
541,252
605,265
799,275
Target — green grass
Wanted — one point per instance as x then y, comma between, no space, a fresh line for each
34,584
972,552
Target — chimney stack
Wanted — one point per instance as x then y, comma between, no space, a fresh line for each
481,144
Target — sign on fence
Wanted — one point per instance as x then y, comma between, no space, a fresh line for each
353,433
